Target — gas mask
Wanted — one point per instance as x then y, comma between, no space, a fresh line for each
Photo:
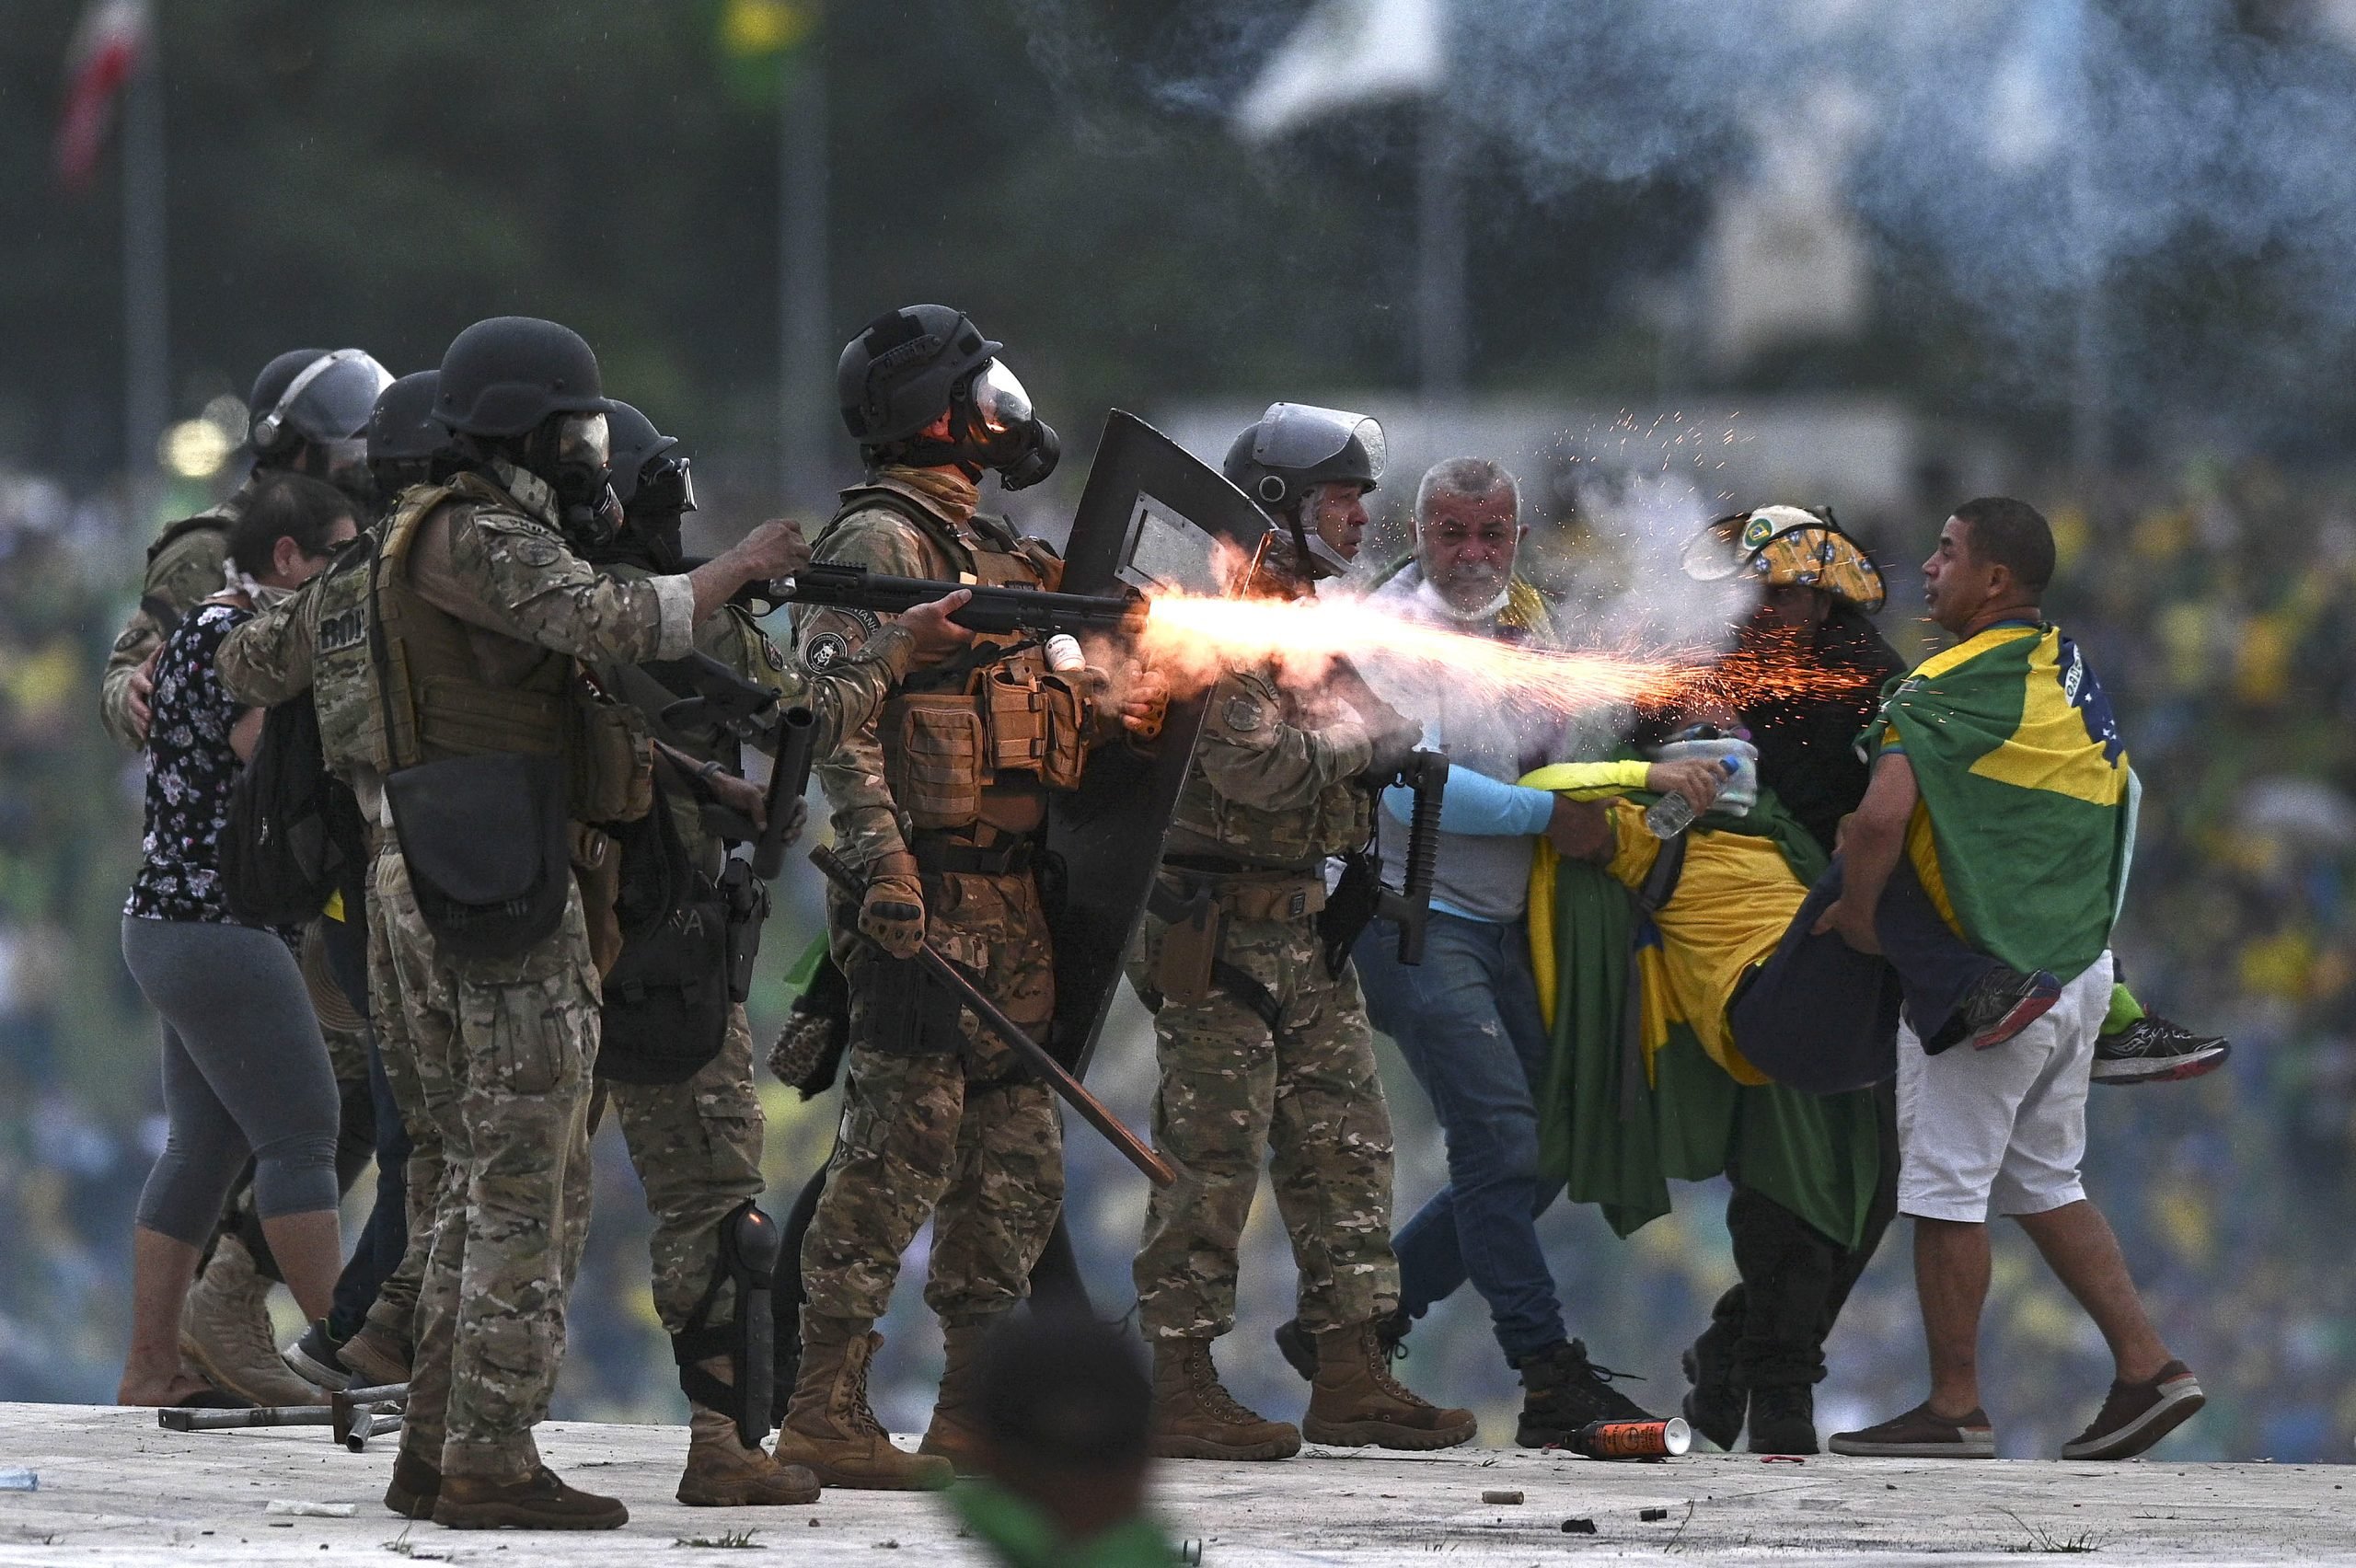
571,453
996,427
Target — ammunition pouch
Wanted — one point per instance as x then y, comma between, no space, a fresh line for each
942,749
485,842
901,1011
612,767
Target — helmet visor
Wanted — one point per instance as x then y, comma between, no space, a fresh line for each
333,397
1304,439
584,441
1001,408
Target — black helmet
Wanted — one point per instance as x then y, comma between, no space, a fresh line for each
905,370
315,397
1293,448
896,376
503,376
645,459
402,427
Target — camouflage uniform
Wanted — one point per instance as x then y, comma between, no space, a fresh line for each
1284,1061
938,1122
184,565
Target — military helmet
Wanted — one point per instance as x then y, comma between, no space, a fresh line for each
1787,546
900,373
317,396
402,427
1294,447
645,457
502,376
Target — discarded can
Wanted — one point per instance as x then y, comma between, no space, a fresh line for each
15,1477
1501,1497
1632,1439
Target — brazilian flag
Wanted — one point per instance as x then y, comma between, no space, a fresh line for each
2028,817
1632,1097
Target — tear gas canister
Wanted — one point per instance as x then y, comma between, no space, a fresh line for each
1632,1439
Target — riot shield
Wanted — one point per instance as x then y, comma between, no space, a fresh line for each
1152,516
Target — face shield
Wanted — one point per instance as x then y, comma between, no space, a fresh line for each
1318,444
1003,433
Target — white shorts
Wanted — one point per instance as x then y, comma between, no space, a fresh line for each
2005,1126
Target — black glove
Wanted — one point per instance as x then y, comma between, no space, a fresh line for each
1394,744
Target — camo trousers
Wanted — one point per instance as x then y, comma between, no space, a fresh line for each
697,1145
945,1127
503,1051
1307,1093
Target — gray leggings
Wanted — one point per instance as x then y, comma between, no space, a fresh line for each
245,1072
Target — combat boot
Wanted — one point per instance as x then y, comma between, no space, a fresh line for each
224,1329
1195,1418
830,1428
1713,1405
1563,1390
376,1357
955,1433
539,1502
1355,1402
723,1473
416,1486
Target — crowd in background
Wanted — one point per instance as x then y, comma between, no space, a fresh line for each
2219,607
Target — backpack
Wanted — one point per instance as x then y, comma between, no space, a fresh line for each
294,835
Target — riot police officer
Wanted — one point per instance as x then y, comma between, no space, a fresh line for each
1263,1047
310,407
941,805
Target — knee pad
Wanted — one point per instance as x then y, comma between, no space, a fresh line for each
750,1244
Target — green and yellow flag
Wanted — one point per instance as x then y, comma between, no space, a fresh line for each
2028,817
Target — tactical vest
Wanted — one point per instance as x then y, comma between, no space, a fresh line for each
995,721
427,702
343,684
1339,821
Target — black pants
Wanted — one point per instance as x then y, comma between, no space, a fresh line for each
1795,1279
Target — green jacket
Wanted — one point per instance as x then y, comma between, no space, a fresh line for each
1022,1537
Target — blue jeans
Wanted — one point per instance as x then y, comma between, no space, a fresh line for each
1467,1021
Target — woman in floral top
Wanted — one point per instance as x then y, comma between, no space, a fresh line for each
245,1070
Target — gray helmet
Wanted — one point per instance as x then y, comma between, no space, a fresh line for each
897,375
313,397
502,376
1293,448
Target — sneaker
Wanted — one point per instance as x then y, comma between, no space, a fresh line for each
1298,1347
2153,1050
1921,1434
313,1357
1563,1390
2003,1002
1713,1405
2137,1415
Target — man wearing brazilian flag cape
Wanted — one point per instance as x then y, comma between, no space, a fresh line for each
2000,782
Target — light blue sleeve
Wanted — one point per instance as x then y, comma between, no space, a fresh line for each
1481,806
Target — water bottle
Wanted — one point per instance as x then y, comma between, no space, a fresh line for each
1673,814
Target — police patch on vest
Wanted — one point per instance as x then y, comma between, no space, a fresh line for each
822,652
1242,714
771,654
345,629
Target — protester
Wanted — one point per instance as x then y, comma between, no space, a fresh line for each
2001,779
1467,1019
245,1067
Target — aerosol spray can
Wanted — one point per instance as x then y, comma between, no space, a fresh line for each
1632,1439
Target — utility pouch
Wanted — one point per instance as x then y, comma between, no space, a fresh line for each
935,759
613,768
899,1009
1037,724
747,901
1349,909
664,1009
1189,950
484,840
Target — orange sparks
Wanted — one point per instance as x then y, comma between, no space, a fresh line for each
1192,639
